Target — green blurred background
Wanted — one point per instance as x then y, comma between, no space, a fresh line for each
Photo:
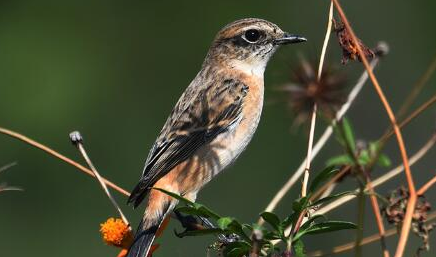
114,69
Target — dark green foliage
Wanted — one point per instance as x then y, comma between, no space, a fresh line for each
276,227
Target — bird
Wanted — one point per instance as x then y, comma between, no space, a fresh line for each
211,124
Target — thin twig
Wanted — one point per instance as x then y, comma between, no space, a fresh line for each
382,179
360,223
309,152
367,240
52,152
378,216
77,140
412,116
427,186
314,110
7,166
417,87
412,191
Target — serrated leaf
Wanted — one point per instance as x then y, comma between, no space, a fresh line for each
331,198
272,219
340,160
323,176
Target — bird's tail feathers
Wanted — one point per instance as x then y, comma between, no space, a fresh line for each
145,236
138,193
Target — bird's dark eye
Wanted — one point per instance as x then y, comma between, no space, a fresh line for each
252,35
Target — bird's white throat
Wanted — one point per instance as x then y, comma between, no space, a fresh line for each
251,68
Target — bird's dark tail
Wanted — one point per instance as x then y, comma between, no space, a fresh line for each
145,236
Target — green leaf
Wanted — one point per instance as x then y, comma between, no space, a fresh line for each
272,219
207,212
290,220
364,158
373,147
300,204
231,225
322,177
339,160
384,161
323,227
237,249
271,235
224,222
190,211
193,208
331,198
348,134
174,195
299,249
309,222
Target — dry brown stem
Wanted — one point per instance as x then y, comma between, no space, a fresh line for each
412,199
52,152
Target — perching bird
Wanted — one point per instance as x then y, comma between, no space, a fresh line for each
211,124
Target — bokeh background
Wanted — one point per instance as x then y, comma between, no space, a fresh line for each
114,69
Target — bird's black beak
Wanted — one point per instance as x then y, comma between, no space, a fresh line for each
289,39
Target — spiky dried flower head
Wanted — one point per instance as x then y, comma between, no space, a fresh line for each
349,49
305,90
117,233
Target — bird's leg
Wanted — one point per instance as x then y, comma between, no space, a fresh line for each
190,223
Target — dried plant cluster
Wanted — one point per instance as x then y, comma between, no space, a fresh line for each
312,90
395,211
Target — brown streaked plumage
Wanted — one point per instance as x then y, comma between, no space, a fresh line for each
211,124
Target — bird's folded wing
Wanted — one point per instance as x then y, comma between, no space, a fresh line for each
195,121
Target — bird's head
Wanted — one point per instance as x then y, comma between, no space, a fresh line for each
248,44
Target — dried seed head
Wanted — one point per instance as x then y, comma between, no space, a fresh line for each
305,90
349,49
395,211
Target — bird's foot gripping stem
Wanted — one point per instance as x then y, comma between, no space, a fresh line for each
195,223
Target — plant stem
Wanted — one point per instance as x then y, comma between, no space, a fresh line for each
309,152
417,87
320,143
77,140
382,179
367,240
313,120
427,186
360,221
412,191
52,152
